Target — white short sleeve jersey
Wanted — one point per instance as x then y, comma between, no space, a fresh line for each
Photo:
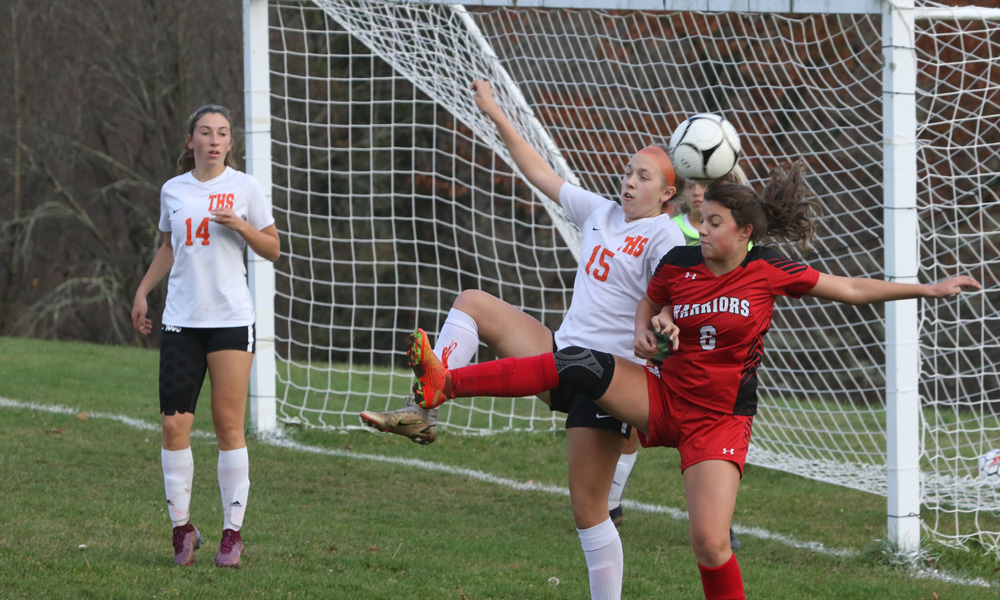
617,260
208,281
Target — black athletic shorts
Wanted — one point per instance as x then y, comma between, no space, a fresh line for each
184,360
581,411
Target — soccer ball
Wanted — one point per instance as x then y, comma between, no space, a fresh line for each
989,465
704,148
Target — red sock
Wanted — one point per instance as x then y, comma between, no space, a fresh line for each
507,377
724,582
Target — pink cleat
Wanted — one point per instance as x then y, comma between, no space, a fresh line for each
230,549
186,541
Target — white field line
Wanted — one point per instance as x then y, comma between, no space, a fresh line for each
530,486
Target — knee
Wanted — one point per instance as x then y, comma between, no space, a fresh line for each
176,434
473,302
589,371
230,435
589,509
711,548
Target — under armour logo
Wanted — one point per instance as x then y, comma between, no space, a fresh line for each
729,451
690,275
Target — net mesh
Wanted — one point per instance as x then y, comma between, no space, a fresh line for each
395,194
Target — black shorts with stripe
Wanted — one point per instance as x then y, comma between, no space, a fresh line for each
184,361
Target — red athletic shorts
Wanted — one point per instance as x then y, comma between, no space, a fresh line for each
697,432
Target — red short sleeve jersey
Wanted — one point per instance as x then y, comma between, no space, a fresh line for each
722,322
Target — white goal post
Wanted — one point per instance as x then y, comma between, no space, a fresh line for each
393,193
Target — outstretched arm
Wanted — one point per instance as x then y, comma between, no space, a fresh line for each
534,167
859,290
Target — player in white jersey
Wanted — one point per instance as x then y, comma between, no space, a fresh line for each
622,244
208,215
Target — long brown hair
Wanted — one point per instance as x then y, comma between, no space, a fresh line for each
185,162
786,211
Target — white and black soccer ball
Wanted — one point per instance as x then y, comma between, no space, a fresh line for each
704,148
989,466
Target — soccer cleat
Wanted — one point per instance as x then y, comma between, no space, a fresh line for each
431,387
617,515
186,541
411,421
734,543
230,549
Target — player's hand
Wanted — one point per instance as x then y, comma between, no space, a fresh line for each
663,349
483,96
139,321
645,344
227,218
954,285
667,332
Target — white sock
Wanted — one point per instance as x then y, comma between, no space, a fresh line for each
626,462
234,485
602,548
458,340
178,476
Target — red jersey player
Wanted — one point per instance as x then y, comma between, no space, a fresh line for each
714,302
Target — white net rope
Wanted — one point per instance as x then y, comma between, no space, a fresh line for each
395,194
959,181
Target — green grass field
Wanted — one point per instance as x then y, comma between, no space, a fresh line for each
361,515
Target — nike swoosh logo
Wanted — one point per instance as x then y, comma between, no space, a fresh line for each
600,416
174,211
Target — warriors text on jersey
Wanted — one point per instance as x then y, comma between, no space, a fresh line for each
208,284
722,322
616,261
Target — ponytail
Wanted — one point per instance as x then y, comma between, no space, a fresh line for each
786,211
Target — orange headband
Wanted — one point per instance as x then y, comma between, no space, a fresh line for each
662,161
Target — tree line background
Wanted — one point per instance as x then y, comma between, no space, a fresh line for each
96,94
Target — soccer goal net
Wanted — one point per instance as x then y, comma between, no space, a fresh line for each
393,194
